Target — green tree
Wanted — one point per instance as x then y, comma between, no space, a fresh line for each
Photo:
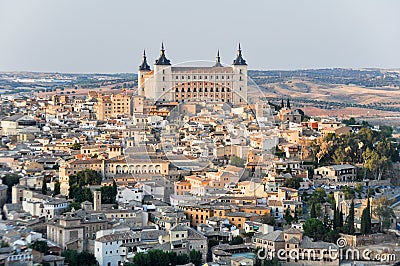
108,195
88,177
288,216
315,229
335,218
44,186
384,212
182,259
115,188
76,146
10,180
313,212
267,219
318,196
272,262
195,257
141,259
236,240
57,188
350,121
74,258
87,259
386,131
350,220
74,205
293,182
85,195
237,161
77,183
348,193
40,246
366,227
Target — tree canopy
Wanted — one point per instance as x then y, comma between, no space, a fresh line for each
74,258
372,148
317,230
161,258
77,183
237,161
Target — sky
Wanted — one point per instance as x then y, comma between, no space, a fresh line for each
99,36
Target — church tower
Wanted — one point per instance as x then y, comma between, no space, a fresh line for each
240,78
97,200
144,69
162,90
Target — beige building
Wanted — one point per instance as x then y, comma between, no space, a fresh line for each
113,105
76,230
336,173
166,83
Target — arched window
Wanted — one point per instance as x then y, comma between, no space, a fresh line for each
216,89
222,89
194,90
200,90
176,90
211,90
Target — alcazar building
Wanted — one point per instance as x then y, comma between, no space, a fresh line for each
217,83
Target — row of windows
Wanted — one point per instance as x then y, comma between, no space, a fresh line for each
205,89
201,77
200,83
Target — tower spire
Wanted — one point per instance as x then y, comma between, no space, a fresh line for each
218,60
239,59
163,59
144,66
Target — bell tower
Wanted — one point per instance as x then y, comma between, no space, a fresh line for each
240,78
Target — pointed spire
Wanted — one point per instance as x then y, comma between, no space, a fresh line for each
163,59
239,59
288,104
162,51
144,66
218,60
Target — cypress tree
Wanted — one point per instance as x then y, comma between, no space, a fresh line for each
115,189
313,212
44,186
350,219
335,217
366,227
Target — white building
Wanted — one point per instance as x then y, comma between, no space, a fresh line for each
182,83
108,250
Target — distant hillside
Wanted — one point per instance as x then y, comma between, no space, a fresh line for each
373,89
13,82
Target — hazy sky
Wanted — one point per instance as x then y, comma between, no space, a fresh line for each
109,36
